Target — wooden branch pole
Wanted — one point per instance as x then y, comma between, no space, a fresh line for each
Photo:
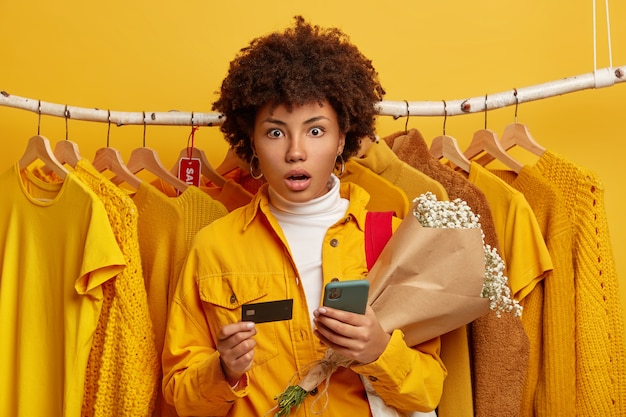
600,78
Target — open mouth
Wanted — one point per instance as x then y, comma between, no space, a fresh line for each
298,177
298,181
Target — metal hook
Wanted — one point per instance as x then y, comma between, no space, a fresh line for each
485,111
190,138
144,129
66,113
108,127
516,103
408,115
445,116
39,118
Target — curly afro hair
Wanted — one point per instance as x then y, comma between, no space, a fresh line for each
301,65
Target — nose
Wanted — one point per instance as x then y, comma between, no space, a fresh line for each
296,150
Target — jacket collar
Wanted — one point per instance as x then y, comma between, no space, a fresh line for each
356,195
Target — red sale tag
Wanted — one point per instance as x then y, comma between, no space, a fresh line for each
189,170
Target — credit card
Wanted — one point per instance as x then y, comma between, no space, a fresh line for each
268,311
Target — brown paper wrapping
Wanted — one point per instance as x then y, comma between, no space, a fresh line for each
428,281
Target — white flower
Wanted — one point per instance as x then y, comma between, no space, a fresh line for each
456,214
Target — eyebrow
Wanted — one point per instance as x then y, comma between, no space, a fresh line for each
308,121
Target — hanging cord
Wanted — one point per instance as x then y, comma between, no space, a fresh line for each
67,116
144,129
408,115
445,116
486,111
108,128
516,104
39,118
191,138
605,77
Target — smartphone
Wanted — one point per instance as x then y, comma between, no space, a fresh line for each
347,295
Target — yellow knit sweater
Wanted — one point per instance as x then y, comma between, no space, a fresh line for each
123,368
600,351
167,225
549,321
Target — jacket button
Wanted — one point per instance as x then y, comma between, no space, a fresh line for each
233,299
334,243
313,391
372,378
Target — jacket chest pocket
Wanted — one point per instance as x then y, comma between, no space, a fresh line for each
222,299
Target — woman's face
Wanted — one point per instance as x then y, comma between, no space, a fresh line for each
297,149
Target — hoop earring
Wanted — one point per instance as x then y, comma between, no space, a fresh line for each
342,165
258,176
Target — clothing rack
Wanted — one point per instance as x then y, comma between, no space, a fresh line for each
599,78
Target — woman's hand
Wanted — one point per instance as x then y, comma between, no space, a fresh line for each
355,336
235,344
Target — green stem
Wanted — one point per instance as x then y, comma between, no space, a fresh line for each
291,398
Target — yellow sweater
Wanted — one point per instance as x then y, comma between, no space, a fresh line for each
167,225
123,367
199,209
550,385
600,355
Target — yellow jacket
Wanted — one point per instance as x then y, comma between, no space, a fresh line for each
243,258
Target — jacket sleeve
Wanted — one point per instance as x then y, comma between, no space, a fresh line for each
193,380
408,379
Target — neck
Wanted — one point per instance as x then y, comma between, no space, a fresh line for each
320,204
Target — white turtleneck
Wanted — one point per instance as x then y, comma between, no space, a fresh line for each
304,226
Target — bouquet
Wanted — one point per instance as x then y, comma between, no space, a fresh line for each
441,273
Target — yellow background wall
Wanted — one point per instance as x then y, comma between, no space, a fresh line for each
171,55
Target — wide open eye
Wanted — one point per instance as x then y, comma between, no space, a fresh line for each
316,132
274,133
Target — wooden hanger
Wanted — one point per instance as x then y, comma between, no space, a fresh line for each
207,169
110,159
231,161
67,152
516,134
192,152
445,146
486,140
397,143
38,147
147,158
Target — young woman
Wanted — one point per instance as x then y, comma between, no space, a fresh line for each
297,103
